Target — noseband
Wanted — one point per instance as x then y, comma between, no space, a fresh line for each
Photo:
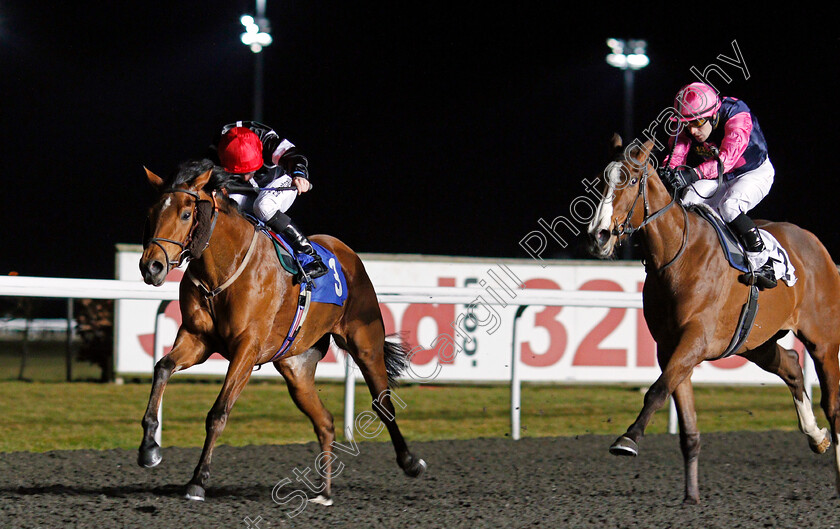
189,247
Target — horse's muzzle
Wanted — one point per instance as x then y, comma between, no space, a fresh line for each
600,243
154,271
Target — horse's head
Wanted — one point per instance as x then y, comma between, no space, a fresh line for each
171,232
626,184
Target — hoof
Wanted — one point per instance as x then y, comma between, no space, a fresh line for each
149,457
822,446
194,492
624,446
415,469
688,500
321,500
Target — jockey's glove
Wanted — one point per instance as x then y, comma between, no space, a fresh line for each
677,179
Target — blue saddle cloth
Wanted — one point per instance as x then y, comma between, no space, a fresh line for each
732,249
329,288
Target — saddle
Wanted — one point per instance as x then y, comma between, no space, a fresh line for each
734,251
731,246
329,288
285,255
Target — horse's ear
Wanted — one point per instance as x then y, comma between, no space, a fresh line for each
155,180
202,179
615,146
647,148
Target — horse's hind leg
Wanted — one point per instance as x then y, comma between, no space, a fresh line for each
366,344
828,371
299,372
775,359
187,351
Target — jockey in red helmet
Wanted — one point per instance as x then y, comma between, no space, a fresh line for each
262,159
720,158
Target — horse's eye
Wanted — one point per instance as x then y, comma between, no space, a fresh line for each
186,215
633,181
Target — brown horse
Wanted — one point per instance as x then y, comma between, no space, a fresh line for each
693,299
237,300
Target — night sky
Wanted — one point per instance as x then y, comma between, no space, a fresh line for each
444,128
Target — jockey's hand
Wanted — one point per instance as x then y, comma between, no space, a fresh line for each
302,184
677,179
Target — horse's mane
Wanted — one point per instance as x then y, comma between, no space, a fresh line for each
192,169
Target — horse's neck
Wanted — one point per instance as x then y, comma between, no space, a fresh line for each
228,246
666,236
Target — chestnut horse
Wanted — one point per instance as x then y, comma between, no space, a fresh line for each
247,320
693,299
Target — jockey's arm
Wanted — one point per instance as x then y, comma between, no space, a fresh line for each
735,141
680,151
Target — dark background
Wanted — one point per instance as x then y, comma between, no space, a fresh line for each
443,128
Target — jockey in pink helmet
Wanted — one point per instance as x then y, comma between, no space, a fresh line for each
719,158
262,160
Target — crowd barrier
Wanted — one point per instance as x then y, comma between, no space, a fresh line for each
588,354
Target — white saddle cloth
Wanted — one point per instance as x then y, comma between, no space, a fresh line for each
782,266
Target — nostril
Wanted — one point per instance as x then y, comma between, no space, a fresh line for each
603,236
156,267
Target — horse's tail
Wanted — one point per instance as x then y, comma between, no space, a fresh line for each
396,358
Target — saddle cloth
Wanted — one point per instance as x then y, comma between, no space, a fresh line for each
734,252
329,288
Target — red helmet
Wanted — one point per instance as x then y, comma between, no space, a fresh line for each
697,100
240,150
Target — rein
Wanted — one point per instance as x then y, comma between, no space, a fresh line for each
626,227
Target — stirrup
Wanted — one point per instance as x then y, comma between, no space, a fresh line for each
316,268
763,277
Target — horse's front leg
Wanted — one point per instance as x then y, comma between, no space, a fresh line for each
689,438
675,369
188,350
238,374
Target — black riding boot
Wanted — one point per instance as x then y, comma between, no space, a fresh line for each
746,229
282,225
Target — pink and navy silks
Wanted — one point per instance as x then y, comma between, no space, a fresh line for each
738,138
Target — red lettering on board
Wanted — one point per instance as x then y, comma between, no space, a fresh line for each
442,315
589,352
557,335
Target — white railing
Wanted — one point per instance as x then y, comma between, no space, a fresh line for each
122,289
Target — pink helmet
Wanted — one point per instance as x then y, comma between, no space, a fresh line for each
697,100
240,150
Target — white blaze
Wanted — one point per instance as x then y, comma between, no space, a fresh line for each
603,216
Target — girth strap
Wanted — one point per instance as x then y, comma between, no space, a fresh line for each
304,298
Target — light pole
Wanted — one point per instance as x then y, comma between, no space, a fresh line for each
257,36
628,55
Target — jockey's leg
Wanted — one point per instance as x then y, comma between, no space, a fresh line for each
703,192
757,253
743,194
283,225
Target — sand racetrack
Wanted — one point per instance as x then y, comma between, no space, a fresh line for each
756,479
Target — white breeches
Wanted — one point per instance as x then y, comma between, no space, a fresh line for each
267,203
734,197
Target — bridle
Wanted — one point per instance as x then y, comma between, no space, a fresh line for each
626,227
188,248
